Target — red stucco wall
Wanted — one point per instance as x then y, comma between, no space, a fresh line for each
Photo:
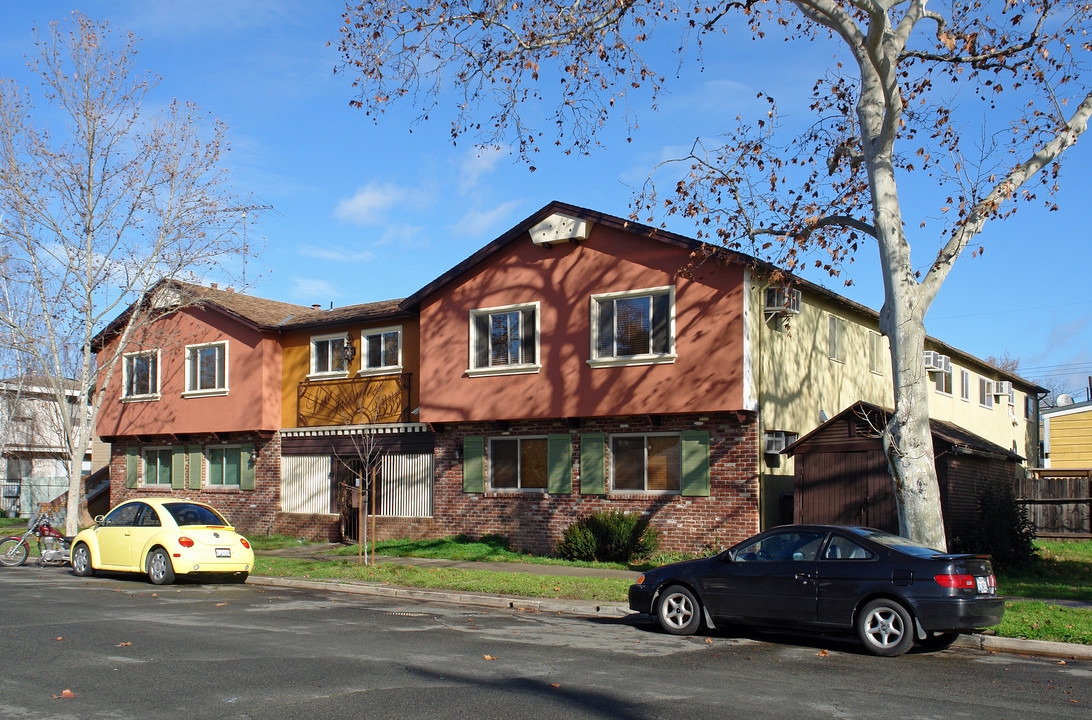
707,375
253,401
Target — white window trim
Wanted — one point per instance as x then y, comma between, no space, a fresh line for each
520,369
964,376
212,391
643,359
125,376
326,374
989,395
875,343
207,483
951,380
843,326
493,488
646,491
385,369
144,466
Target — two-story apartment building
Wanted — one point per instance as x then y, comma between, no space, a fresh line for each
578,362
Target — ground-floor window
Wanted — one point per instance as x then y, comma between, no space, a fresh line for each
518,463
225,465
157,466
651,463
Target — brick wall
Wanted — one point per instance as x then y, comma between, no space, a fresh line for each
534,521
250,511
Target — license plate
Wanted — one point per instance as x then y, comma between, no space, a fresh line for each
226,552
983,584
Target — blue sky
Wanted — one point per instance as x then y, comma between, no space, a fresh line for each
366,211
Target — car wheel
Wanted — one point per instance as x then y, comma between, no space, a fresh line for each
885,628
939,641
81,561
13,551
160,570
678,611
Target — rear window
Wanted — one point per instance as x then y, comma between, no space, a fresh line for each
193,514
897,542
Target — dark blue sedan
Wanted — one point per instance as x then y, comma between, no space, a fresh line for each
889,590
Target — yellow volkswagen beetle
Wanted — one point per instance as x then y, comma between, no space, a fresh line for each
163,537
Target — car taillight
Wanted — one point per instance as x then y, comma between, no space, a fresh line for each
244,543
955,581
185,541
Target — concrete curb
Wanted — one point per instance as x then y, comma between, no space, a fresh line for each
990,643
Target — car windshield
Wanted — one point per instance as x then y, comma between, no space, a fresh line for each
193,514
897,542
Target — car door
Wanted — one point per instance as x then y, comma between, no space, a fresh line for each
114,533
146,525
847,571
770,578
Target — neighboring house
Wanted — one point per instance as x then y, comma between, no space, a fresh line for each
32,443
1067,436
579,362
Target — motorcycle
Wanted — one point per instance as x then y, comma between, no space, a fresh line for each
52,545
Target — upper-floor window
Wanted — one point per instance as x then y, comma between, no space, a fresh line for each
328,355
504,340
648,463
206,368
140,375
875,352
1012,395
965,385
985,392
836,338
635,327
942,380
518,463
382,350
1029,406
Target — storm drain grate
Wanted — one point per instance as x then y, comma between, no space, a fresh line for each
407,614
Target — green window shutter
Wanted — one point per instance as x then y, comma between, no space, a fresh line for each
196,461
695,463
246,468
473,465
178,468
593,464
132,467
559,463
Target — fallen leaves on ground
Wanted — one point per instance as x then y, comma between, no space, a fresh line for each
822,653
66,694
124,644
60,639
489,657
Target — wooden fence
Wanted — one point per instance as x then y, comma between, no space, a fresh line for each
1059,502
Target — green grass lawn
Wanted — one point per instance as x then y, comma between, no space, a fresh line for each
7,522
1063,572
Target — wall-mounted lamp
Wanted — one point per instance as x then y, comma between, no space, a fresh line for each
458,453
253,456
348,352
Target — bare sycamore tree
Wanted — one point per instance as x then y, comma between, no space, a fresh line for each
100,199
977,99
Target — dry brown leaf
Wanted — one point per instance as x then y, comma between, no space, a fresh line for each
220,604
709,641
489,657
66,694
822,653
124,644
155,594
555,685
59,639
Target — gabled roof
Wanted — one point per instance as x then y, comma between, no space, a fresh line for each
948,433
384,309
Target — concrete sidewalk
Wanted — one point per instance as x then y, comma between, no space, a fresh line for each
582,608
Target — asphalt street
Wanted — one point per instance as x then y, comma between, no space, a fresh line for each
123,648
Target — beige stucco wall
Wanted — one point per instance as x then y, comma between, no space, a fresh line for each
797,385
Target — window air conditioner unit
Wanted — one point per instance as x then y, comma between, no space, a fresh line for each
1002,387
773,442
782,300
932,361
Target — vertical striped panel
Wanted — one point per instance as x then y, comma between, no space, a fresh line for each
306,484
405,485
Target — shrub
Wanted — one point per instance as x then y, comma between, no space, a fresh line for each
609,536
1002,529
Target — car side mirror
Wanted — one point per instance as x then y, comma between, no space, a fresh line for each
99,519
798,556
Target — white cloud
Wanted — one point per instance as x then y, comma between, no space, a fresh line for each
370,204
334,254
478,162
476,223
308,291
